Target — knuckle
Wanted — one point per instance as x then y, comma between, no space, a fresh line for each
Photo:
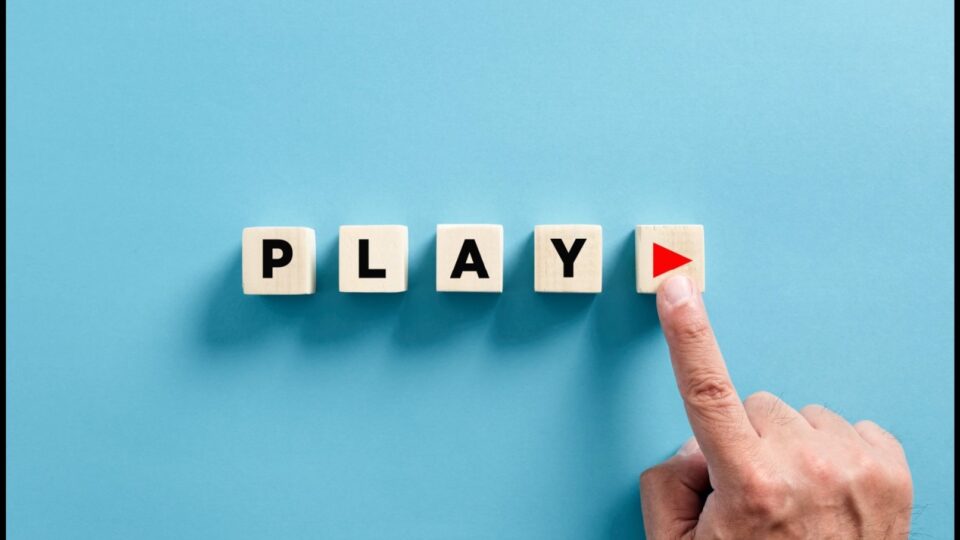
760,505
814,410
895,441
870,426
691,330
890,437
877,474
708,390
823,471
760,399
901,483
651,476
763,496
871,472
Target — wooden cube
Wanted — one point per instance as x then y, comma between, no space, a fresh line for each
669,250
470,258
568,258
279,260
373,258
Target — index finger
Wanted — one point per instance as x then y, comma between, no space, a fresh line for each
713,407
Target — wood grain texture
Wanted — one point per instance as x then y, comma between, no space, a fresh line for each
587,267
299,276
687,240
387,250
488,240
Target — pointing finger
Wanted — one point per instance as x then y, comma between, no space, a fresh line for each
714,410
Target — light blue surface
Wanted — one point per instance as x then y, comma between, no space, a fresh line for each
148,398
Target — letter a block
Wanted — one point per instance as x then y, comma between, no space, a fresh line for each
568,258
279,260
664,251
470,258
373,258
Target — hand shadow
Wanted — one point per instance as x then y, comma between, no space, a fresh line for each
625,517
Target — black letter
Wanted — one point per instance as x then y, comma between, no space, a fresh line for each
568,256
365,270
269,263
469,250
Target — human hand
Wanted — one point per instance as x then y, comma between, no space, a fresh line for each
762,469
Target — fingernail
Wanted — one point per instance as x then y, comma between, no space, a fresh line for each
677,290
689,447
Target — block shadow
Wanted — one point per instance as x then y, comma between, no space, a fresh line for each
623,331
423,317
233,320
429,317
335,317
621,318
524,316
619,325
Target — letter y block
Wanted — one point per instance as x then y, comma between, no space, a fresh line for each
568,258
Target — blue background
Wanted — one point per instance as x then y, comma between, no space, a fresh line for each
148,398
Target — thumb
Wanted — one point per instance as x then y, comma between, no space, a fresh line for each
672,493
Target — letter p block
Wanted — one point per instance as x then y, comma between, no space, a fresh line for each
279,260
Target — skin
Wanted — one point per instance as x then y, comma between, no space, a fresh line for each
759,468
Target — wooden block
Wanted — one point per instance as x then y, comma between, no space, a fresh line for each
664,251
279,260
373,258
470,258
568,258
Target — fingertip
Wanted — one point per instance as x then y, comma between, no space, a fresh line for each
676,290
680,308
675,295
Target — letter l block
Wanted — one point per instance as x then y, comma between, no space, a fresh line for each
373,258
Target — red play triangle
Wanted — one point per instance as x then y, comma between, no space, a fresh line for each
665,260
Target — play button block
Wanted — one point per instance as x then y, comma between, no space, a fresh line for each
664,251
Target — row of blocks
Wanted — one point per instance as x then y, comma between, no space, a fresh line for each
373,258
